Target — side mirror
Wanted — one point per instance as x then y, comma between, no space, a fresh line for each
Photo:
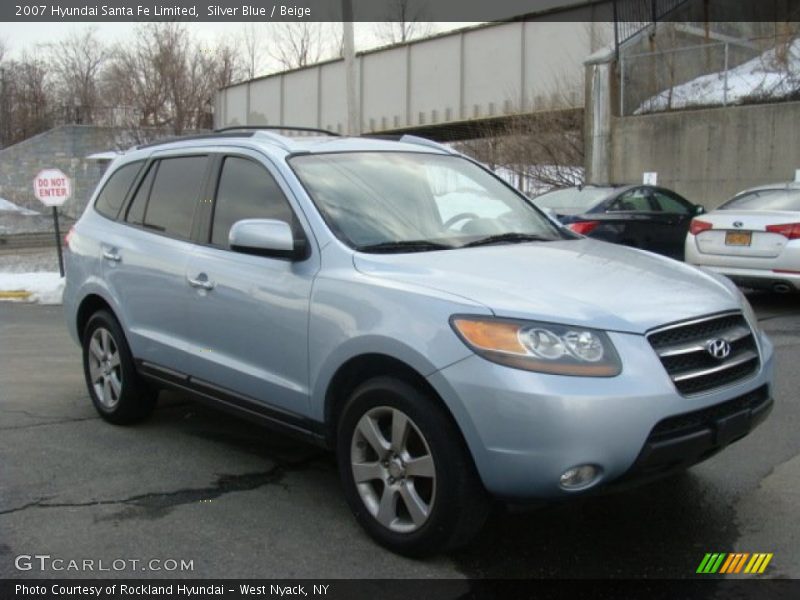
266,237
699,210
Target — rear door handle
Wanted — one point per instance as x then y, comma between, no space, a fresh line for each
113,256
201,282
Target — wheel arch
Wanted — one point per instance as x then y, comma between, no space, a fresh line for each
364,367
88,306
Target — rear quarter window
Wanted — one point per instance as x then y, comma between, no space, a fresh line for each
113,194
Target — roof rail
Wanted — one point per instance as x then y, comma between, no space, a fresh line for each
182,138
276,128
421,141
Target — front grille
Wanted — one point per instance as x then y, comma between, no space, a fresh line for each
682,350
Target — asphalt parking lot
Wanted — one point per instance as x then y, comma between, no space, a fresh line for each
239,501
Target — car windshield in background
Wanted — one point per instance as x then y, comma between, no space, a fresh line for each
572,201
406,202
765,200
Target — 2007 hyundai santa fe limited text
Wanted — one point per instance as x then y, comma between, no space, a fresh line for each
400,304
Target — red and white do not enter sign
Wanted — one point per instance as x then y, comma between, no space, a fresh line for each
51,187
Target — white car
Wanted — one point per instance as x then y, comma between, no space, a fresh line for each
754,238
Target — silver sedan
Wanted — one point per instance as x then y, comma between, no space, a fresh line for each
754,238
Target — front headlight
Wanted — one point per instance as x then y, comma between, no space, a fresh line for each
541,347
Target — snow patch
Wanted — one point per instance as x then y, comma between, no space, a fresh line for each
8,206
45,288
766,77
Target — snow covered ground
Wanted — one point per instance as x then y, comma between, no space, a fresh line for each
28,275
44,287
764,77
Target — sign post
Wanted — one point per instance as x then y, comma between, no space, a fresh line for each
52,188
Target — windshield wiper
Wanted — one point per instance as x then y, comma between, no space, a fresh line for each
404,246
504,238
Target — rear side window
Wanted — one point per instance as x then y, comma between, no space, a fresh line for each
116,188
637,200
246,191
173,195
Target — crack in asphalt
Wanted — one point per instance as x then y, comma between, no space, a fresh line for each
225,484
30,425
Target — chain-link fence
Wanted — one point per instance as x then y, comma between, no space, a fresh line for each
713,74
681,77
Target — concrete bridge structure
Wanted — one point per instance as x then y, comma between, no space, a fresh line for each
442,87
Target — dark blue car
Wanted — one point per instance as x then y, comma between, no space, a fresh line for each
642,216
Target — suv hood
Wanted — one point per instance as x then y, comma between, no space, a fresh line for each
574,282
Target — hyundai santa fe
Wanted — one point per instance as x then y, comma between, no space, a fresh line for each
396,302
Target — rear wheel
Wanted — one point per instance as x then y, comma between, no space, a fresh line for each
407,475
116,389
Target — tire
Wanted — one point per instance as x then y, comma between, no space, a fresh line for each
117,391
451,503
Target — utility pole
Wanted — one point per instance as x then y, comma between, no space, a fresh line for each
349,50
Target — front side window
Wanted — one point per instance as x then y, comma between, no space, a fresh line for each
110,199
375,200
670,204
246,191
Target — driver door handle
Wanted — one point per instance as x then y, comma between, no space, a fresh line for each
113,256
201,282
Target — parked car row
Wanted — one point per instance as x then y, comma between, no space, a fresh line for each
754,238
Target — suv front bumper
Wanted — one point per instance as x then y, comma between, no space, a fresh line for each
526,429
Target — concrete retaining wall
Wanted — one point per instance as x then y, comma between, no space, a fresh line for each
64,148
708,155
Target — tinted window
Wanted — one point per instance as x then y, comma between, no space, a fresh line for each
246,191
786,199
176,188
637,200
573,201
116,188
139,202
670,204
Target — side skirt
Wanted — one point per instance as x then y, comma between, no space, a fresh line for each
214,396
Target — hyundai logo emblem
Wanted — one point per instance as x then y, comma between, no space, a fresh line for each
738,224
719,349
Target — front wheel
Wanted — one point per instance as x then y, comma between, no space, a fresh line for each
407,474
116,389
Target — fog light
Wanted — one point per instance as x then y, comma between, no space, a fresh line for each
578,477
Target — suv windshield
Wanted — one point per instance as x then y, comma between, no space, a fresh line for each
765,200
406,202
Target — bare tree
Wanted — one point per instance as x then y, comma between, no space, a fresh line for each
296,45
77,63
25,103
252,38
535,151
403,23
167,81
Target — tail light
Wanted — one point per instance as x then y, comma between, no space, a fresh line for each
584,227
698,226
789,230
69,236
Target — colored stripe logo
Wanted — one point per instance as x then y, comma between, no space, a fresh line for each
733,563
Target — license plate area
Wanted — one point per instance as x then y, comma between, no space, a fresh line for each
738,238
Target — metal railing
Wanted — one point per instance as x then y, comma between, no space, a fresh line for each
633,16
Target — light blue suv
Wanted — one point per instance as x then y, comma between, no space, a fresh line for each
398,303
